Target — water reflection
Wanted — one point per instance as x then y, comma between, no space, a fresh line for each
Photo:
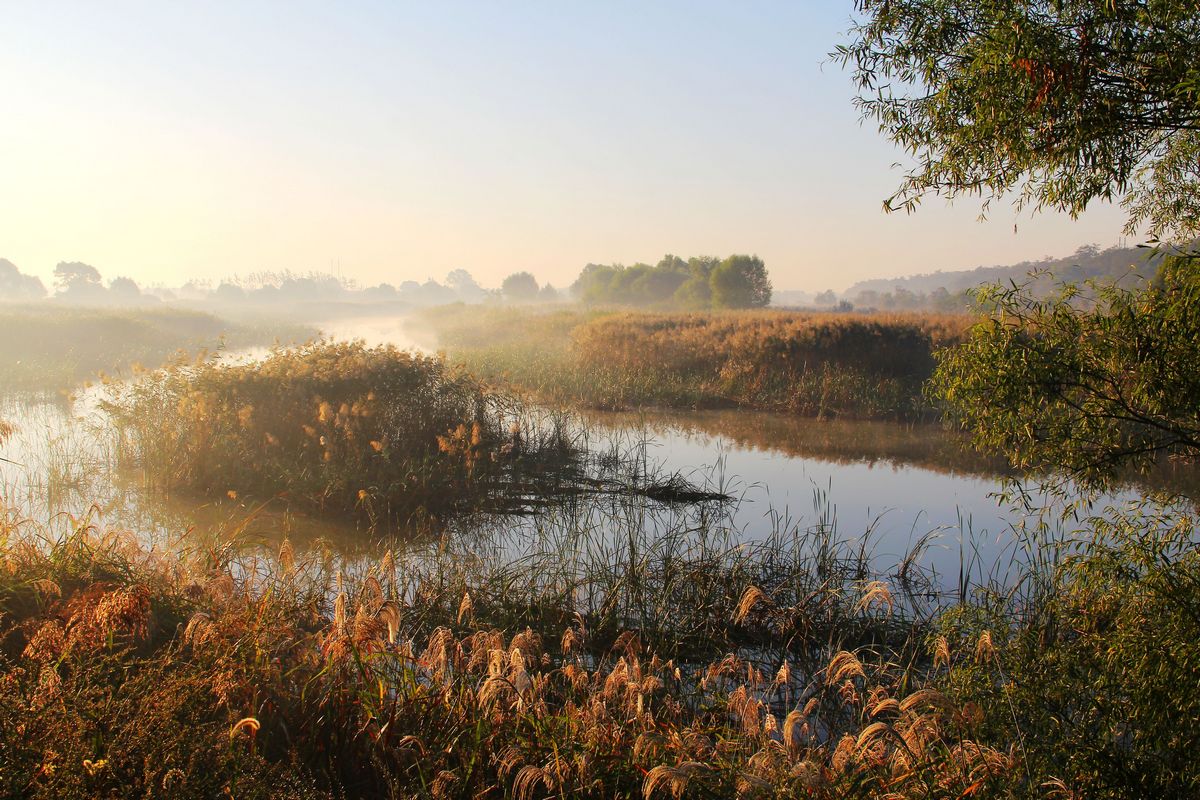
890,488
924,446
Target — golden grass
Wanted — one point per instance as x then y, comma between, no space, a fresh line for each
813,364
50,347
129,671
143,673
381,434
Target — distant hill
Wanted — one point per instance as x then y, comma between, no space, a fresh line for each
948,291
1118,263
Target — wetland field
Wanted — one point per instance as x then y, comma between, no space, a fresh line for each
351,569
404,401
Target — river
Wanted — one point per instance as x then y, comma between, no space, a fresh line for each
888,487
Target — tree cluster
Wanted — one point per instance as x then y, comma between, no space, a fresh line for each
739,281
15,286
286,286
902,299
522,287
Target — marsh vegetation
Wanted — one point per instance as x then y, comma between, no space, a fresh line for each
810,364
529,612
679,664
628,638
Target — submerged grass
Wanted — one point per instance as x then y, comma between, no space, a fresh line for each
829,365
593,666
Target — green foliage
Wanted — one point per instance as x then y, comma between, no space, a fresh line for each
698,283
1063,103
640,284
694,294
1086,674
740,282
1089,382
520,287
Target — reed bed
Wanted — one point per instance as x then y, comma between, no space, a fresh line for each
811,364
126,670
376,433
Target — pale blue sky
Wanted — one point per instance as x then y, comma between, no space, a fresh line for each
403,140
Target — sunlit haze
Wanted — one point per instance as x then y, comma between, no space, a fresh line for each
400,141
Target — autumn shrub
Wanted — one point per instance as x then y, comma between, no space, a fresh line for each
130,671
1091,669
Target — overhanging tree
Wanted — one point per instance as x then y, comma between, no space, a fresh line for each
1057,105
1061,103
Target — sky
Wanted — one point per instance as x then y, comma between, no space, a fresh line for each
393,141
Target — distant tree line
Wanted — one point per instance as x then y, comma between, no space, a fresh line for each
739,281
1089,262
15,286
80,283
522,287
901,299
74,281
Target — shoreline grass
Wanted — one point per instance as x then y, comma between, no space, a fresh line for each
607,654
435,674
375,433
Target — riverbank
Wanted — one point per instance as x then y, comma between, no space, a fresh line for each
853,366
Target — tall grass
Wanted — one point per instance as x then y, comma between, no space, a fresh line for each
594,667
611,653
831,365
338,427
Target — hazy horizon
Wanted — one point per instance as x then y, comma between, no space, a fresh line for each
400,143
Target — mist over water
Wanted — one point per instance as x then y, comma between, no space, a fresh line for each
374,331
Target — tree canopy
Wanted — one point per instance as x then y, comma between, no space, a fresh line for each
739,281
17,286
74,278
1061,103
520,287
1095,380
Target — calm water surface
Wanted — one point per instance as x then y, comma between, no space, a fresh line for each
888,485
